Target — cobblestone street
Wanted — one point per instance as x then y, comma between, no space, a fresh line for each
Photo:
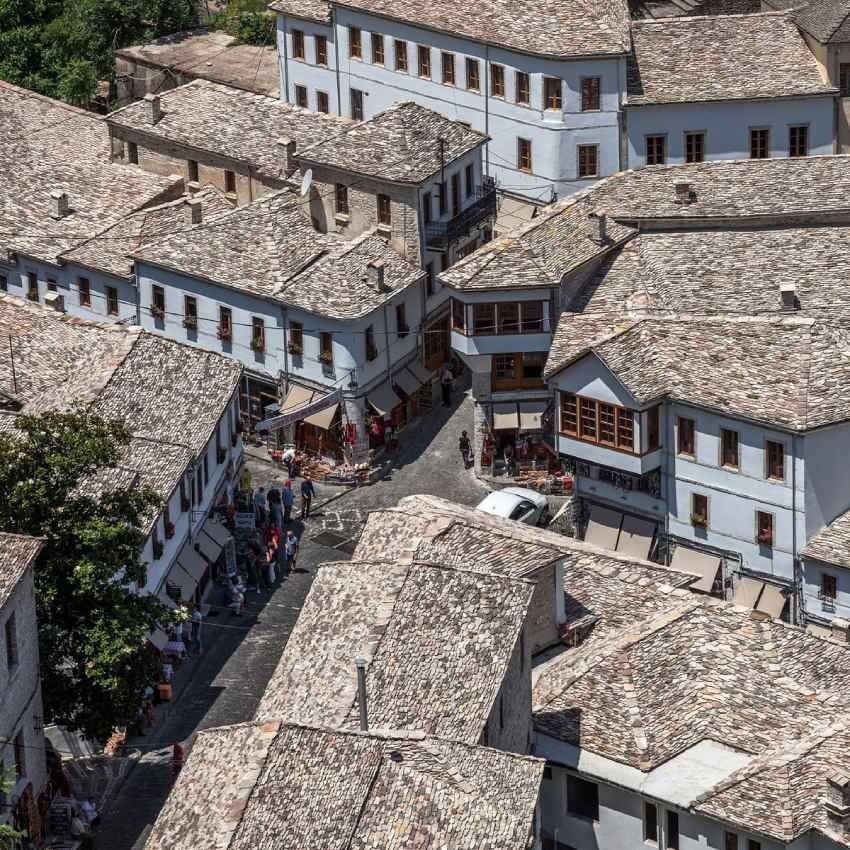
225,683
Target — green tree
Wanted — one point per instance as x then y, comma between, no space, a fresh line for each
78,82
91,625
8,836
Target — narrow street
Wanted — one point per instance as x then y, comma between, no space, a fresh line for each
225,684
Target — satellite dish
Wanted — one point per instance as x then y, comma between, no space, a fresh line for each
306,181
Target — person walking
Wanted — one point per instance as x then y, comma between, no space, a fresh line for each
197,621
260,506
290,550
275,507
307,493
288,499
446,379
288,458
465,449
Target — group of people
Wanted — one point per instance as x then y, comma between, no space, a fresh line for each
84,819
276,505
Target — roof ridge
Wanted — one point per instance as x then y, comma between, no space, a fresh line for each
632,706
687,19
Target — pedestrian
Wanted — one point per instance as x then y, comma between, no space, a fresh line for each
290,550
509,457
260,506
275,509
465,449
90,812
446,379
288,499
307,493
197,620
289,459
271,558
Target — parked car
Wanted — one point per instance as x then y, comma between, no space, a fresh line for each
516,503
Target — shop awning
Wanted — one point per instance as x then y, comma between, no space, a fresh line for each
209,548
407,381
383,399
747,592
531,415
636,536
697,563
420,372
323,418
505,417
772,601
296,397
603,529
192,562
179,580
217,531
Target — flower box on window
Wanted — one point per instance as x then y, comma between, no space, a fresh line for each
699,520
295,348
326,357
258,344
191,322
157,312
169,530
158,549
371,353
225,334
765,538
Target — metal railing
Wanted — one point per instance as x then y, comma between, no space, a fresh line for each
438,234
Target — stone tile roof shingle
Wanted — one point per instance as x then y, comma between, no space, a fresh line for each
832,543
47,146
690,60
400,144
309,10
232,123
261,786
17,552
828,21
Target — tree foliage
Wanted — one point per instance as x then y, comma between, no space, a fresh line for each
8,836
249,21
55,47
91,625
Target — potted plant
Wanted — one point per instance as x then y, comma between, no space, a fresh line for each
258,344
765,537
295,347
699,520
191,322
326,357
157,312
224,333
371,352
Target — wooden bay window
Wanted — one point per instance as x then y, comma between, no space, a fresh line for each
597,422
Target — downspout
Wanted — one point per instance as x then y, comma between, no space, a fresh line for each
285,61
336,62
387,340
137,294
284,318
487,108
798,588
667,450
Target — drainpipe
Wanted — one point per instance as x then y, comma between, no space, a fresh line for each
487,108
285,60
284,316
336,62
798,588
361,693
137,294
387,340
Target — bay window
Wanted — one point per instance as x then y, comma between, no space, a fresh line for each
508,317
518,370
597,422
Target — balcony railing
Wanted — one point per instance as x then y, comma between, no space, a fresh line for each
439,234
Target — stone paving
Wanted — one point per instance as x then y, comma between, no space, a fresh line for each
225,683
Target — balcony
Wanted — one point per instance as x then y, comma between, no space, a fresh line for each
440,234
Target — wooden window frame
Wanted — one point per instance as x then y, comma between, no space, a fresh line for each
765,528
655,144
355,43
794,150
302,98
229,182
296,337
447,68
700,520
692,425
518,380
524,157
653,413
759,141
384,205
341,199
768,460
402,328
650,823
323,102
192,170
623,422
458,316
225,323
298,45
423,60
580,167
457,197
132,153
469,180
591,97
378,48
399,51
553,94
356,104
190,312
258,333
844,79
112,303
158,301
694,146
473,75
32,286
828,587
497,80
443,197
522,88
326,347
735,467
320,44
10,634
370,344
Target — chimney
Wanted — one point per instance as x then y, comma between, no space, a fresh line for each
375,274
683,193
194,211
58,204
287,154
598,228
788,296
837,802
153,110
360,661
840,629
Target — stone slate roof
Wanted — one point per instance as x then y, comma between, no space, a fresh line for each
271,785
701,670
111,251
229,122
17,552
405,620
309,10
544,27
792,373
288,260
400,144
832,543
46,145
690,60
828,21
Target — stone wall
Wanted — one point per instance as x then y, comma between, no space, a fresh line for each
509,725
541,624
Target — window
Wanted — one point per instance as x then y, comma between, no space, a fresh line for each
458,315
508,318
759,147
587,419
326,348
469,179
133,153
775,460
764,528
377,48
473,77
456,199
588,160
442,198
569,414
4,283
582,798
551,93
341,199
448,65
51,284
400,49
11,632
296,338
504,368
401,321
523,88
371,348
426,207
297,44
730,841
672,837
752,844
357,104
625,429
728,448
523,154
300,100
590,101
655,150
607,424
190,311
597,422
685,436
650,823
321,49
258,333
497,80
192,170
532,316
694,147
828,587
429,279
844,79
230,177
322,102
355,46
699,510
225,323
484,318
157,302
84,292
424,61
653,435
111,300
384,214
20,759
32,286
798,141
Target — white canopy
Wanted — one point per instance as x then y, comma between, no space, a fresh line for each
383,399
603,529
323,418
697,563
505,417
636,536
531,415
